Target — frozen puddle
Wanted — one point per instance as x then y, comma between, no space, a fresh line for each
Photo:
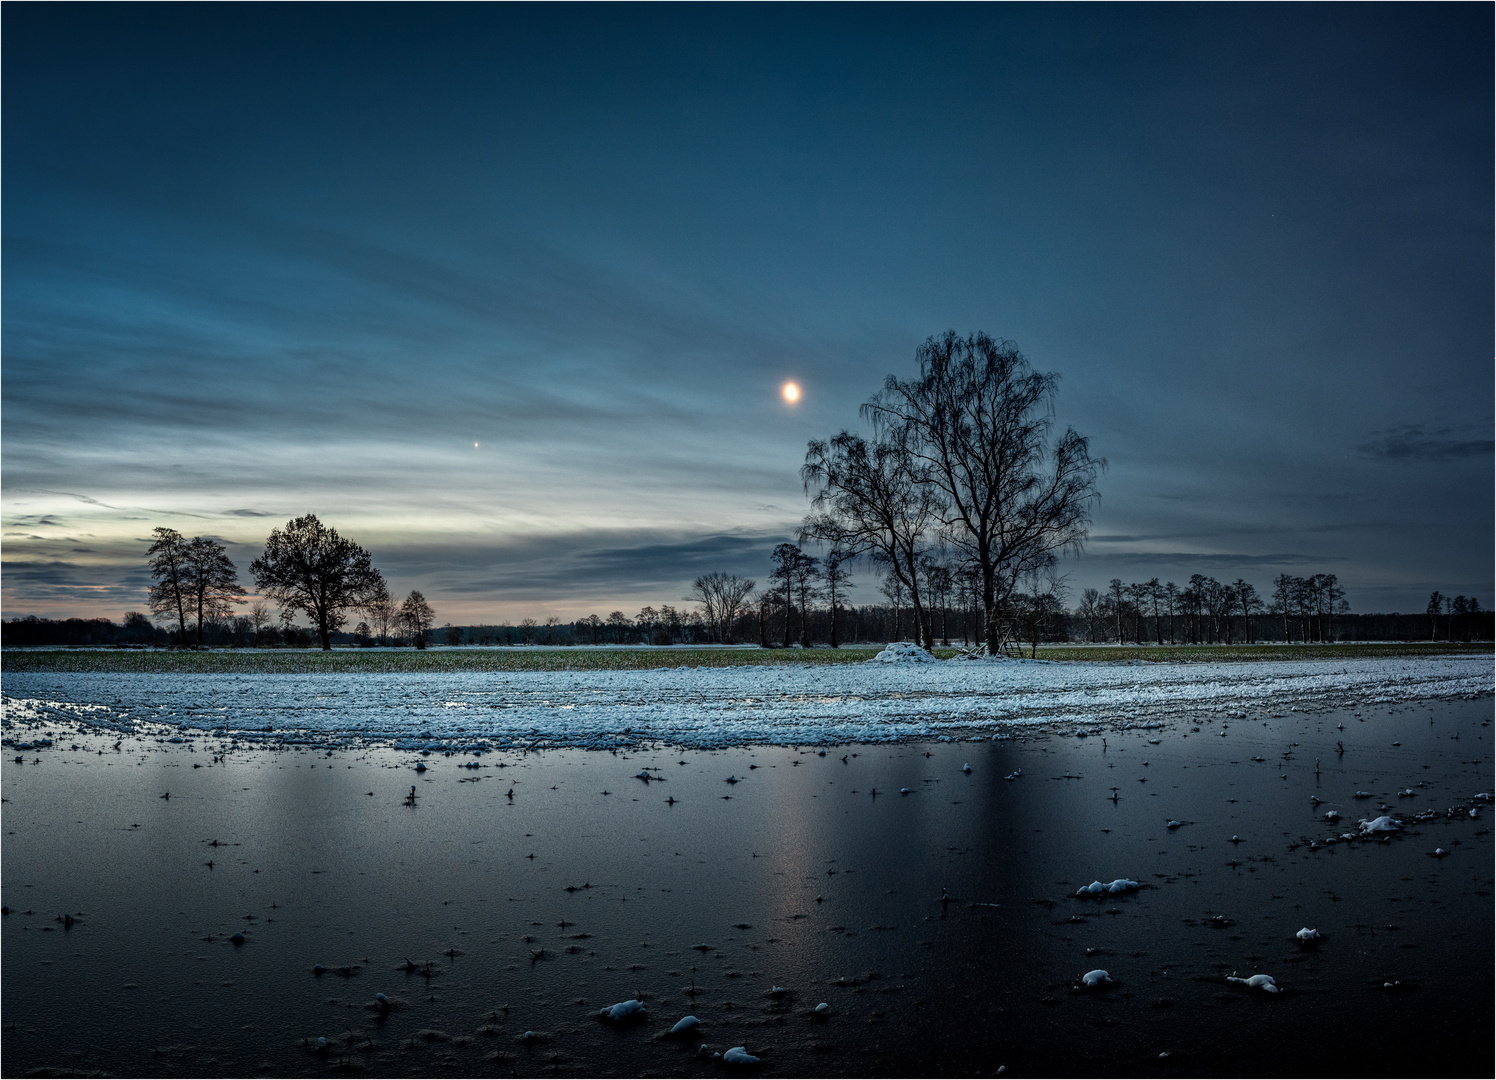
717,707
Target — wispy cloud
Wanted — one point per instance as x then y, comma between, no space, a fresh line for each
1195,560
1414,443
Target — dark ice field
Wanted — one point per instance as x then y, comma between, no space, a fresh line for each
515,899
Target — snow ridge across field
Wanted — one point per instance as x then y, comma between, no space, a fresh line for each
725,706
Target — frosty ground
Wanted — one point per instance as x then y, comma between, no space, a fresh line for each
715,707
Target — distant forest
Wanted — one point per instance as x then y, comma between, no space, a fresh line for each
667,625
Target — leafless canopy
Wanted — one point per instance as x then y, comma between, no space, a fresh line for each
195,576
874,498
722,598
978,421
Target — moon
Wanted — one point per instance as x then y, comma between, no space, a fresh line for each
791,392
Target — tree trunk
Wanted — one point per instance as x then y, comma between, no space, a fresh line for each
991,629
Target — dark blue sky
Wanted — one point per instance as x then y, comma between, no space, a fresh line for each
506,292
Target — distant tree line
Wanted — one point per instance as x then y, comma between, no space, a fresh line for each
306,568
1207,611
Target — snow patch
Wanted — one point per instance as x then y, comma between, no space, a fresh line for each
905,652
709,708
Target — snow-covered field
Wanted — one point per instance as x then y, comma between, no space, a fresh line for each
715,707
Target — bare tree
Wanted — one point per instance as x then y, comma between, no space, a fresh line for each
1040,606
1137,607
214,581
764,603
1284,590
877,498
259,618
417,617
308,567
1435,604
1153,593
837,580
979,417
1089,610
380,609
893,588
806,573
721,597
648,622
938,581
618,626
787,560
1117,593
734,592
194,576
1249,604
171,566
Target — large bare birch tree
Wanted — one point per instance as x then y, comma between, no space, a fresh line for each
978,419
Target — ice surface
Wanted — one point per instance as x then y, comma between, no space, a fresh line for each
717,707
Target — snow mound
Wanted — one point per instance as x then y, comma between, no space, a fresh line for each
1099,888
905,652
632,1009
1257,982
1381,824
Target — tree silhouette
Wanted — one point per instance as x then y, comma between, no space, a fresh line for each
308,567
191,575
787,560
417,617
381,611
979,418
213,579
172,569
874,497
1249,603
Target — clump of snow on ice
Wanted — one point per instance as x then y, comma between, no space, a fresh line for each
1256,982
905,652
1381,824
633,1008
1100,888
